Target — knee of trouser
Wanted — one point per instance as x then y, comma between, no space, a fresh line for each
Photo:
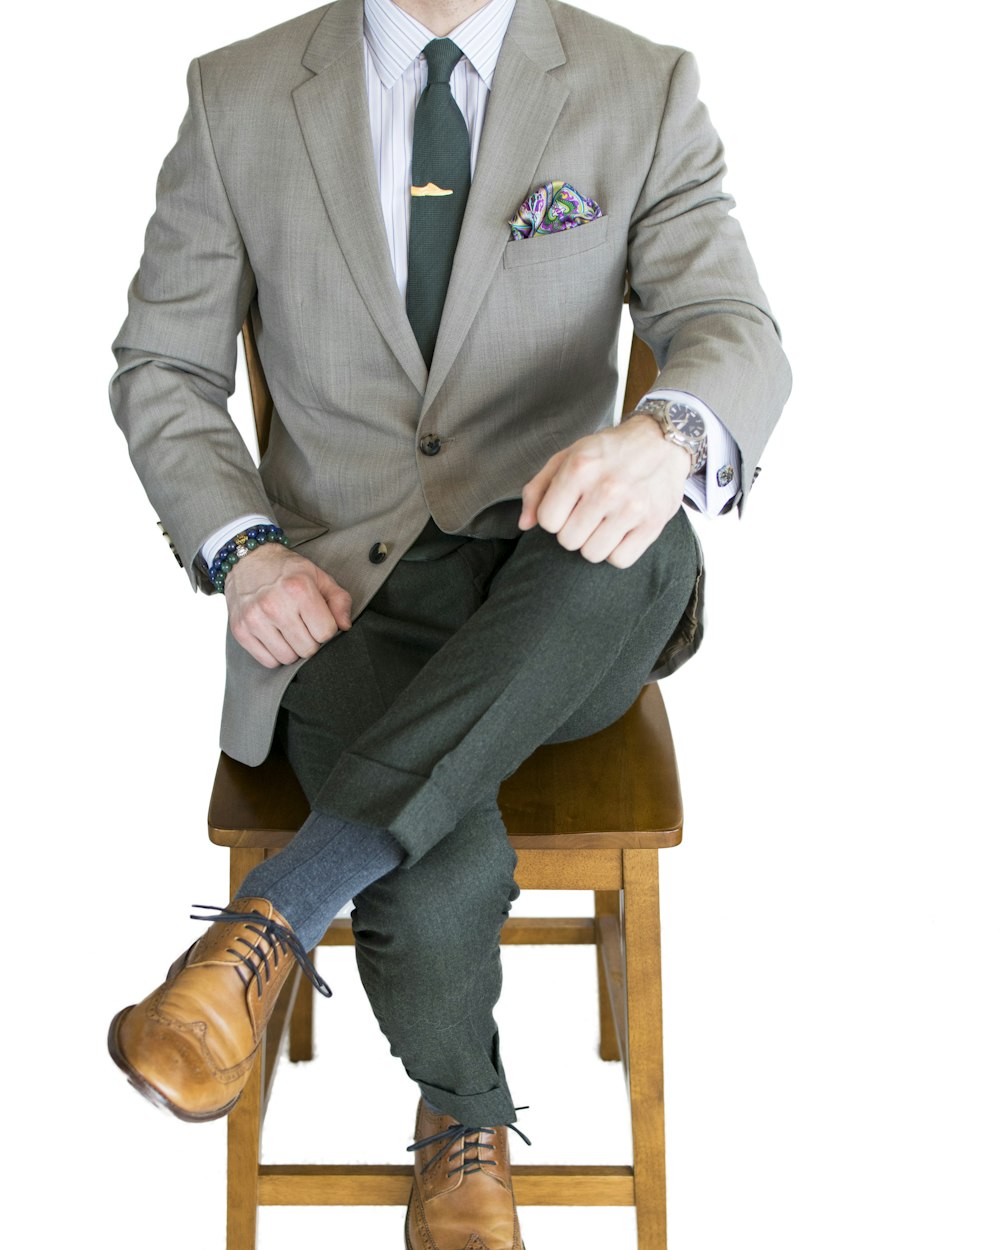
675,548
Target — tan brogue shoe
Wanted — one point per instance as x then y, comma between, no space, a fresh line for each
462,1197
189,1046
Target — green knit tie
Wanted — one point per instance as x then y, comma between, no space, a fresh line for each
441,163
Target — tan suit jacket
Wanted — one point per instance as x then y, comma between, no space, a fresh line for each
268,203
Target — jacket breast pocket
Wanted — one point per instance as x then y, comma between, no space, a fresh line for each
540,248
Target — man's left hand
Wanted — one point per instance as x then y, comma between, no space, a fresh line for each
610,494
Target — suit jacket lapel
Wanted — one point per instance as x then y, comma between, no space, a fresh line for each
332,109
524,104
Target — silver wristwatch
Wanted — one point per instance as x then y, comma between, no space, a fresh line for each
681,425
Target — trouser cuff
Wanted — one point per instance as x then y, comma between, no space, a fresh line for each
413,808
495,1106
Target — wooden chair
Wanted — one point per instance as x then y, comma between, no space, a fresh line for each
584,815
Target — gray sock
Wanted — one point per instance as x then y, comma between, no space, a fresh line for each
328,861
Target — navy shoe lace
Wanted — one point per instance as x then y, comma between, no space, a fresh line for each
272,937
469,1136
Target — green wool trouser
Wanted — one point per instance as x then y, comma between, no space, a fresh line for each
458,668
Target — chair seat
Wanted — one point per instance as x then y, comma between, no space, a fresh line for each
615,789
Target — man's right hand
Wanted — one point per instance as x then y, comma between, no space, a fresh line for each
282,607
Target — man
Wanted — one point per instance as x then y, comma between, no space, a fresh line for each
449,554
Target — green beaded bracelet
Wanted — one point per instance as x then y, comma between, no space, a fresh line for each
230,553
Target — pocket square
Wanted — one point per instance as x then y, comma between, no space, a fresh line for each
553,206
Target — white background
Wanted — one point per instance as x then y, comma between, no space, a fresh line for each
830,930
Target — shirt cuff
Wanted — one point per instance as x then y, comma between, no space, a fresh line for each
214,542
714,486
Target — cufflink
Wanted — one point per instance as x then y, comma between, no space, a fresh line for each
725,475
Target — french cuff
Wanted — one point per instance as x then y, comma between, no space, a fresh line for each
712,489
214,542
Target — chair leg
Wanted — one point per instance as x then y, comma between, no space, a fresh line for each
243,1131
644,1008
300,1035
606,903
244,1124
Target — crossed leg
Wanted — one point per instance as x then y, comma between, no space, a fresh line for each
401,731
457,669
552,631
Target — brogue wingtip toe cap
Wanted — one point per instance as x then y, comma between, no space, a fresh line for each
168,1066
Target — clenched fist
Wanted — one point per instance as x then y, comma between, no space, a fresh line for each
610,494
282,607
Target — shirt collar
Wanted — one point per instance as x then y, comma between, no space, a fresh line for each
396,39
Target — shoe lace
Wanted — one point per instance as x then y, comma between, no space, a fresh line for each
272,937
469,1135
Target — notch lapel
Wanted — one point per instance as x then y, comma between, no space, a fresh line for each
332,110
524,103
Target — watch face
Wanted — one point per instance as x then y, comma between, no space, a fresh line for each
687,420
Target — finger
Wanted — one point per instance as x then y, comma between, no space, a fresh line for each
276,619
277,644
300,637
299,611
600,506
254,647
337,600
632,546
318,616
604,539
534,490
563,492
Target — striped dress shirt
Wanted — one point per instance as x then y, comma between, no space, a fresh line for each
395,77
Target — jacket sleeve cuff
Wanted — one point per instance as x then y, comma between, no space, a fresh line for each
223,534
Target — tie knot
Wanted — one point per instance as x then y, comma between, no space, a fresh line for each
442,57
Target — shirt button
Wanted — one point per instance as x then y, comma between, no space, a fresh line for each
430,444
378,553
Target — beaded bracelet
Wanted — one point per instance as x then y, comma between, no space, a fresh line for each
233,551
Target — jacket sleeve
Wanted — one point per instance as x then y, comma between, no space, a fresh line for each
176,350
694,297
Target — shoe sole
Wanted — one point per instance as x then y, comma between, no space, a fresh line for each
150,1092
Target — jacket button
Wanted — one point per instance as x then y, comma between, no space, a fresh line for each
378,553
430,444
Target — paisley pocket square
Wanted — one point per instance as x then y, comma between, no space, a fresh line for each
553,206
